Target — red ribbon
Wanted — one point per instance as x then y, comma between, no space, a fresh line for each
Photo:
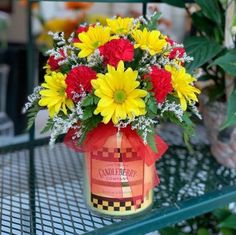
96,138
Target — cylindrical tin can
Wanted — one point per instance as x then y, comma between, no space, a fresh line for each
117,181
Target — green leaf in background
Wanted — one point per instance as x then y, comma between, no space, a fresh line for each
203,231
211,9
229,222
201,49
228,62
227,231
176,3
202,23
231,114
221,214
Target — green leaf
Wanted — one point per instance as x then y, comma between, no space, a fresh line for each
152,142
202,50
48,126
152,23
89,124
188,128
89,100
176,3
203,231
228,62
88,112
211,10
32,114
202,23
221,214
229,222
227,231
231,112
152,105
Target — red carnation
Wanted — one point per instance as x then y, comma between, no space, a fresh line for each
170,41
54,63
80,29
175,51
161,82
178,51
116,50
79,80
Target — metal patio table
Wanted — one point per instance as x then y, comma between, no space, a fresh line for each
41,188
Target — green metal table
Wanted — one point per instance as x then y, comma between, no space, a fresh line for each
47,198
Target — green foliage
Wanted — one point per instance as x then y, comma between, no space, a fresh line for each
203,231
90,99
188,128
152,24
89,120
211,9
202,23
89,104
88,112
221,221
221,214
210,53
32,114
48,126
229,222
202,50
88,125
187,125
151,106
227,62
151,141
231,111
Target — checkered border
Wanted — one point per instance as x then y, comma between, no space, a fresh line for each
115,153
110,204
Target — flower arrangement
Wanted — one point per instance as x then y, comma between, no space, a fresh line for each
126,73
106,88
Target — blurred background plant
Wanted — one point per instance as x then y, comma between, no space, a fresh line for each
219,222
213,48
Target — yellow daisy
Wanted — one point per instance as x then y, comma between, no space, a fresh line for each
120,25
54,95
119,96
92,39
182,83
152,41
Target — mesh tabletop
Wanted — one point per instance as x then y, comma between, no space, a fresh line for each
47,198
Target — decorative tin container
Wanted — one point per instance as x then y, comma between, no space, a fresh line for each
118,182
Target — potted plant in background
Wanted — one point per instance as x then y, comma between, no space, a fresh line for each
213,49
106,88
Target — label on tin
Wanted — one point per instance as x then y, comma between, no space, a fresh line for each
116,176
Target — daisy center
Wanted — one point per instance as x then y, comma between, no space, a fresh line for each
96,44
119,96
61,91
